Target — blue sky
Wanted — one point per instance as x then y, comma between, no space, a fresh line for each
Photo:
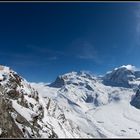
43,40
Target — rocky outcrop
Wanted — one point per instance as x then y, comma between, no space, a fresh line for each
24,113
119,77
15,96
8,127
58,83
136,100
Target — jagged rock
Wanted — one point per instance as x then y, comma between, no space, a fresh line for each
15,121
89,87
119,77
20,119
24,113
89,99
13,94
7,124
59,82
136,100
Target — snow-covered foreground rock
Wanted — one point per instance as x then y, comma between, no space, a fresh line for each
24,113
76,105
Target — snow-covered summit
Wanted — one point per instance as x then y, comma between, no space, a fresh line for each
76,105
128,67
72,78
26,114
3,72
124,76
97,108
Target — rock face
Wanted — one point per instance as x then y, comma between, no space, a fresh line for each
93,106
14,89
59,82
136,100
119,77
72,78
14,102
8,127
24,113
68,106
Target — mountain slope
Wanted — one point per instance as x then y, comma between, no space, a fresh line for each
75,105
99,109
26,114
124,76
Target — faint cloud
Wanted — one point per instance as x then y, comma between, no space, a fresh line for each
53,58
27,59
87,72
137,15
85,50
29,63
16,55
43,49
45,52
134,47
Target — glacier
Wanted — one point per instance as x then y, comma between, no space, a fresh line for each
75,105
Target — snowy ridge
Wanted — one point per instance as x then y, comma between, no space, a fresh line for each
128,67
31,115
124,76
75,105
98,109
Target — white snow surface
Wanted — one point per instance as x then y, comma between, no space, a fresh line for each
109,114
0,131
129,67
91,109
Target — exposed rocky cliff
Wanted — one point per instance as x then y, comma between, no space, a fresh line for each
26,114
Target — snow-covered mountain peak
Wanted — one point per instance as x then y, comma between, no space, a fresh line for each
76,105
74,74
75,78
4,71
26,114
98,109
124,76
128,67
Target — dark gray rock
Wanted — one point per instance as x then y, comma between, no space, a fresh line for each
7,124
119,77
136,100
59,82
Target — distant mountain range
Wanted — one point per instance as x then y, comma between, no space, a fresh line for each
75,105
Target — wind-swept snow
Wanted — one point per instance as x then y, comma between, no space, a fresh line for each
97,109
76,105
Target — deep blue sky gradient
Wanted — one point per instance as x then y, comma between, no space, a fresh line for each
43,40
